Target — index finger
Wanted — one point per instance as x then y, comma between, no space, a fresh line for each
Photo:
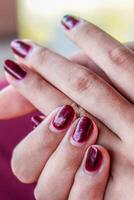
79,84
114,58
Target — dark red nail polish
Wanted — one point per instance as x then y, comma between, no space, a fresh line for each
36,120
20,48
69,21
64,117
93,160
83,130
14,69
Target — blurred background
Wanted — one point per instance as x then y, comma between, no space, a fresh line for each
40,21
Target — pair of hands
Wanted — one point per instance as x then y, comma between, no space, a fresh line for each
82,81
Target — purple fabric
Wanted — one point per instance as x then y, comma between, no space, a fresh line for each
11,132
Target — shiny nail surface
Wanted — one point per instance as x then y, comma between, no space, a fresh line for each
36,120
69,22
20,48
83,130
64,117
14,69
93,159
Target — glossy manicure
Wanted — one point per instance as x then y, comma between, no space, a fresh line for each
93,159
63,118
14,69
20,48
83,130
36,120
69,22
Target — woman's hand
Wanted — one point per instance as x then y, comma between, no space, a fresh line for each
88,90
15,110
55,150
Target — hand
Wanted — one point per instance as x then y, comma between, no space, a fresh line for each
97,92
15,110
64,174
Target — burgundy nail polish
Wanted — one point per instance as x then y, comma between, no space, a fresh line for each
83,130
69,22
36,120
64,117
93,160
20,48
14,69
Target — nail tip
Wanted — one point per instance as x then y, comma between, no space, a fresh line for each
20,48
13,41
7,62
63,117
37,119
69,16
13,69
83,130
69,21
94,159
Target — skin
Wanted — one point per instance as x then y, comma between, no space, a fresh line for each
67,165
104,102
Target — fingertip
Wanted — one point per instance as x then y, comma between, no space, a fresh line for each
62,119
96,160
83,131
92,175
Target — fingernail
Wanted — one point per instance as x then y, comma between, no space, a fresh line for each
64,117
93,159
20,48
36,120
83,130
14,69
69,22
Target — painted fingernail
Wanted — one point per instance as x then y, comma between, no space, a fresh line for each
64,117
93,159
83,130
20,48
69,22
36,120
14,69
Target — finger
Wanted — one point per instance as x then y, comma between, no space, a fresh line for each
114,58
11,104
27,163
46,98
15,110
65,161
82,59
78,82
40,90
91,178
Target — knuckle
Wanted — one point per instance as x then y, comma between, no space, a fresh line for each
120,55
81,81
